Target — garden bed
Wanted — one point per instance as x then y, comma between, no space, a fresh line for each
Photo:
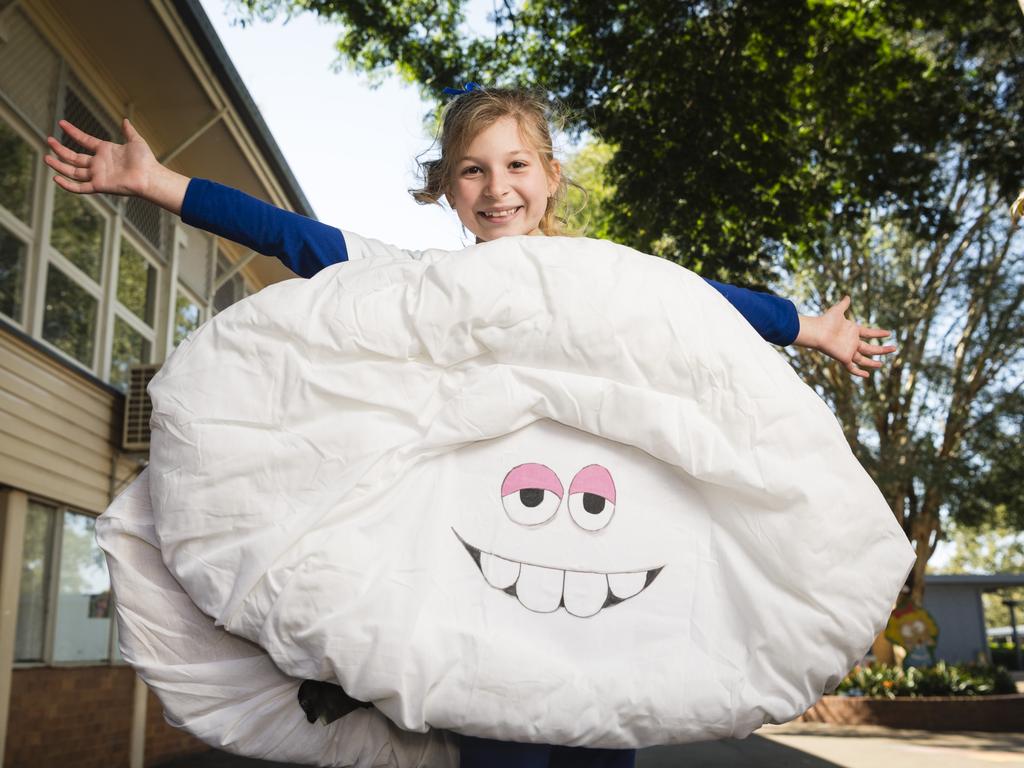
927,713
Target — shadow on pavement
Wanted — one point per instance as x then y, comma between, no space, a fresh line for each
752,751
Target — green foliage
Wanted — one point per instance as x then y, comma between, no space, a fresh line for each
591,192
13,259
1003,654
136,282
77,232
18,163
69,316
885,681
738,128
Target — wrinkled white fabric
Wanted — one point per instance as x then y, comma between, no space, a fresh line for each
223,689
385,476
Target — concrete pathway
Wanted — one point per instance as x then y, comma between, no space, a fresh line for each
794,745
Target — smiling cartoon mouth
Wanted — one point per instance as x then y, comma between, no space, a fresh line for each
545,590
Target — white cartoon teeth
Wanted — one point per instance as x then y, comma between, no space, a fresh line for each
584,594
540,589
499,572
625,585
544,590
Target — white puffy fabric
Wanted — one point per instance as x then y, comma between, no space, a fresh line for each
540,490
223,689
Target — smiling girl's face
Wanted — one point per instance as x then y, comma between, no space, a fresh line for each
501,186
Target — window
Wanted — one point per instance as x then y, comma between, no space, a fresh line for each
232,290
134,311
136,282
13,257
188,315
77,232
71,301
30,635
69,316
17,172
82,621
18,161
64,608
130,347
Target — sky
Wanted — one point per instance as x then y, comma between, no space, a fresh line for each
352,148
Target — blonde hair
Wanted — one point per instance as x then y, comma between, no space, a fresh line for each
468,114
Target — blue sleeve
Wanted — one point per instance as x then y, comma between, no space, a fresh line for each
304,245
774,318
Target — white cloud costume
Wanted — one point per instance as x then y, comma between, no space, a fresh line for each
542,489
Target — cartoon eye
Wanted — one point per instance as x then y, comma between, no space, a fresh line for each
907,630
592,498
919,626
531,494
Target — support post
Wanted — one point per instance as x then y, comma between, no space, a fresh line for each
137,739
13,513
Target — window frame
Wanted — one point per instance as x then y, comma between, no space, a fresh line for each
52,597
115,310
97,289
26,232
40,254
235,276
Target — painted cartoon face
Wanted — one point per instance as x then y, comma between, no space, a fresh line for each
532,495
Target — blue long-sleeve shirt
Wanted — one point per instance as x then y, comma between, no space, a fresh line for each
306,246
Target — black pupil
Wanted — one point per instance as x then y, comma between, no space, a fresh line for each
593,503
531,497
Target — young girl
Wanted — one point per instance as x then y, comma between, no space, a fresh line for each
497,171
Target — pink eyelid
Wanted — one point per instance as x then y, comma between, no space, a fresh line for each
594,479
531,476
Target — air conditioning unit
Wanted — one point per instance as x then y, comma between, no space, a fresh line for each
138,408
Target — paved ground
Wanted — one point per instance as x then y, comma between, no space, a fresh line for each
795,745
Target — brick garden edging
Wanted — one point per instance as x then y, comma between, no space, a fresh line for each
926,713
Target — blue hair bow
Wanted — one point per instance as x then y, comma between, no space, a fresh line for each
459,92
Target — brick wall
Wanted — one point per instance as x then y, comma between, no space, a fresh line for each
69,716
164,742
927,713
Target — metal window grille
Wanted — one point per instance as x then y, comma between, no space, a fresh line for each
77,112
82,112
147,220
29,69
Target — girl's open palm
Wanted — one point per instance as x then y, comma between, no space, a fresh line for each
845,340
119,169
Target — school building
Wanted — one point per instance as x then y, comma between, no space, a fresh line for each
92,290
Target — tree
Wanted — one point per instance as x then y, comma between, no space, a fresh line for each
834,146
940,431
590,193
736,125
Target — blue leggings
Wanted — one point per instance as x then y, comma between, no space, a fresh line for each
485,753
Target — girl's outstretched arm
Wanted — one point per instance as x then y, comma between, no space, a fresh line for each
304,245
843,339
119,169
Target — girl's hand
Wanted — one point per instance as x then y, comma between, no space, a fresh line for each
843,339
118,169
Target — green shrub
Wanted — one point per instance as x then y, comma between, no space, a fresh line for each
1003,654
883,680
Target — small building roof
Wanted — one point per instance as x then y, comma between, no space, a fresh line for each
980,580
